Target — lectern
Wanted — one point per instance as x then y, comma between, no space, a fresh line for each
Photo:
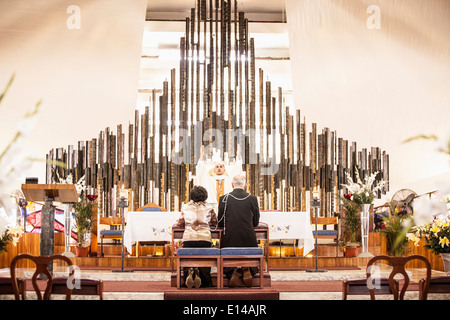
48,193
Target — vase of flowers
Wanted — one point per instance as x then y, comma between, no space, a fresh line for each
363,193
437,237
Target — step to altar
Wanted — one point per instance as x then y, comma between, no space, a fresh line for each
166,263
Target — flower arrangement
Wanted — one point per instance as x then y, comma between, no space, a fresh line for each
84,210
10,235
437,232
363,192
436,235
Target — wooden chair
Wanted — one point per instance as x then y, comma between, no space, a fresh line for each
42,263
6,287
114,232
437,285
398,267
325,233
150,207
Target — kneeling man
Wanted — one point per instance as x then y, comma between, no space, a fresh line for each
239,215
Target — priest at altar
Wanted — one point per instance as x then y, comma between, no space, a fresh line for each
216,177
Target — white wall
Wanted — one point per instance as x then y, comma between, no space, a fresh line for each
377,87
87,78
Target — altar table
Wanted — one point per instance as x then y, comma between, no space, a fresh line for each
142,226
290,225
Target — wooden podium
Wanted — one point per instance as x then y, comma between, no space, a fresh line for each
49,193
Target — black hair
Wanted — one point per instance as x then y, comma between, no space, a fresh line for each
198,194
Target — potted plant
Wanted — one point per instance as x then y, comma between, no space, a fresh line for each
84,212
351,225
395,227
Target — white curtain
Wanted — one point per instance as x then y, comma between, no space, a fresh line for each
375,74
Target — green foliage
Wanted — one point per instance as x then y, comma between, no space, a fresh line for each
84,212
436,235
396,226
5,240
351,221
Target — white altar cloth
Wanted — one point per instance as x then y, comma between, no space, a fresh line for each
290,225
145,226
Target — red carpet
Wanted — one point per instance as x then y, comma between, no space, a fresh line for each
224,294
312,268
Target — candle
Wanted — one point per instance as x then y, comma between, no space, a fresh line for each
123,192
316,193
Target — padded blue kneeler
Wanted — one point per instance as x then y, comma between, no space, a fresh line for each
245,251
198,251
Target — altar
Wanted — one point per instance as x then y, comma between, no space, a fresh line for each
144,226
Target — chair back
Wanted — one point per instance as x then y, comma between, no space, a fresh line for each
325,220
398,267
151,207
111,221
327,226
41,263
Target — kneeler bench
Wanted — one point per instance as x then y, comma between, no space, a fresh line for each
220,258
198,257
242,257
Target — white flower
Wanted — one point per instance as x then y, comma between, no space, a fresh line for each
413,237
15,232
4,221
80,186
361,188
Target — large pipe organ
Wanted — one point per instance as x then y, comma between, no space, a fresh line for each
217,99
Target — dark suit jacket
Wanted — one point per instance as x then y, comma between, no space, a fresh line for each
241,216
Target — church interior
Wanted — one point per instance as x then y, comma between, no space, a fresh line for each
335,112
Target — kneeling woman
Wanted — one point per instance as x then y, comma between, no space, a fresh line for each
196,216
